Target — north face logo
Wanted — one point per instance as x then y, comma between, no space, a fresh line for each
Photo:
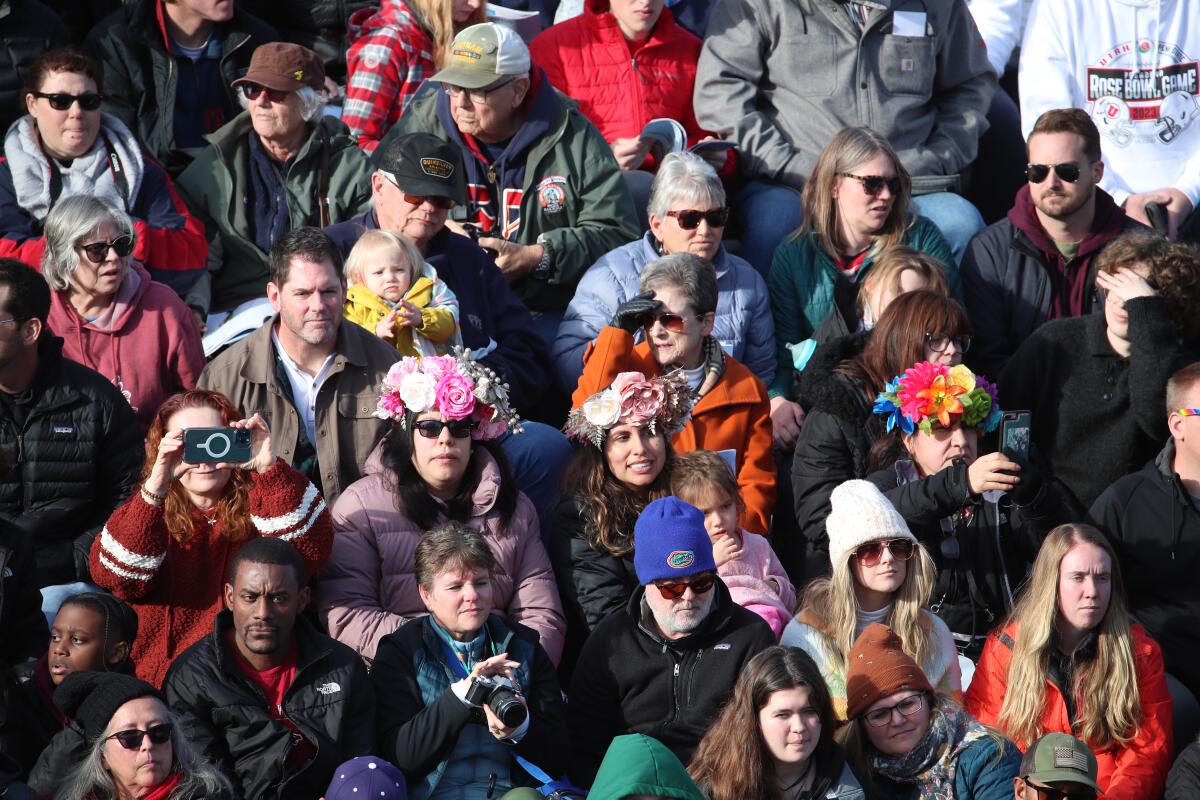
329,688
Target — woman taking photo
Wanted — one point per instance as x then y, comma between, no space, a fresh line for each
464,691
774,738
881,573
166,550
110,315
1070,661
438,462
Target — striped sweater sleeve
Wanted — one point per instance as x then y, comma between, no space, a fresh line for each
129,552
286,505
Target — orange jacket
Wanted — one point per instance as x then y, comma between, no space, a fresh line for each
734,415
1136,772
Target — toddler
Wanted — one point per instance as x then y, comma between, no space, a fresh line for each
745,561
397,296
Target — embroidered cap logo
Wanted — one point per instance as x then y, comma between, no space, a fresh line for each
681,559
298,75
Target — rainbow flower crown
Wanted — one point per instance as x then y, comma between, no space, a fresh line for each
456,386
929,393
633,399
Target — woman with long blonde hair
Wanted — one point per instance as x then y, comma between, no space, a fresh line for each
881,573
1070,661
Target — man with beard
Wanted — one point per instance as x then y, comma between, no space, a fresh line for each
271,701
666,664
1038,263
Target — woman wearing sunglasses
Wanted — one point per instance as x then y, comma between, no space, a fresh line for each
109,313
909,741
881,573
65,146
438,461
135,747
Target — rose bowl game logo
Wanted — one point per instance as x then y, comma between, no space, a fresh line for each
681,559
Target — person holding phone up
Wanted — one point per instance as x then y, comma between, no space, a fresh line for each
981,517
166,550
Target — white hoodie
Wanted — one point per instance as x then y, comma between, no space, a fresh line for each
1132,64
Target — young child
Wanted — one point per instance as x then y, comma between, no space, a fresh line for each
397,296
745,561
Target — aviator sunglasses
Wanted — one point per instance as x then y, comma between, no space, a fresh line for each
870,553
689,219
253,90
96,252
432,428
673,590
1067,171
61,101
132,738
873,184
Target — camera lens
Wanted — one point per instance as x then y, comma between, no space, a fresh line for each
507,707
242,436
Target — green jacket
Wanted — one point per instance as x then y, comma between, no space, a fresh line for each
637,764
802,282
215,185
595,215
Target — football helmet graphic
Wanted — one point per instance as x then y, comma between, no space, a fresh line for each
1178,110
1111,115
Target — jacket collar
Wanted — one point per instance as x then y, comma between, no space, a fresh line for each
259,366
719,618
650,250
1097,335
498,632
311,644
610,31
1108,222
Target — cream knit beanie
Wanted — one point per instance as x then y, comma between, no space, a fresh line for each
859,513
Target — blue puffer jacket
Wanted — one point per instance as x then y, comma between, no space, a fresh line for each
744,325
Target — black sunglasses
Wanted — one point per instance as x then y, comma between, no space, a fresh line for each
432,428
873,184
1067,171
1053,793
61,101
96,252
132,738
689,219
253,90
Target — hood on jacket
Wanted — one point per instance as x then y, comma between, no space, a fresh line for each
485,493
542,109
636,764
1108,222
129,296
821,386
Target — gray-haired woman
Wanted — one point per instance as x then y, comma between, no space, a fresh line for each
687,215
110,315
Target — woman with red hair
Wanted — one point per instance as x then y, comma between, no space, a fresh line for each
166,550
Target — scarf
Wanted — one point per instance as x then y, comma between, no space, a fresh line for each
931,765
164,789
714,366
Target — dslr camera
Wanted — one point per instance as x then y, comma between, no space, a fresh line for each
499,695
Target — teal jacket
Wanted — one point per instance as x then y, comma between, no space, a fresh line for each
637,764
984,772
802,282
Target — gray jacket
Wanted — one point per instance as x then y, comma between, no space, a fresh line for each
781,77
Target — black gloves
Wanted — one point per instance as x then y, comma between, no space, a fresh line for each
635,312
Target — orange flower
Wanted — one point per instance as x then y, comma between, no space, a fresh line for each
941,400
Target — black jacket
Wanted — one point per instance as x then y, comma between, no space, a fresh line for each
630,679
319,25
1155,530
74,459
23,632
28,29
225,714
140,76
1183,782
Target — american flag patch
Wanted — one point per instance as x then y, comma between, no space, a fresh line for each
1070,757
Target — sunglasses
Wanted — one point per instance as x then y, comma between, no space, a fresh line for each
907,707
61,101
1067,171
870,553
132,738
444,203
938,342
672,322
689,219
673,590
432,428
96,252
1051,793
253,90
873,184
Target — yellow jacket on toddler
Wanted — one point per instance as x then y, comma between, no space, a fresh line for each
439,315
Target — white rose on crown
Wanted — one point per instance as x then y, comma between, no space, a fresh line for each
603,409
418,391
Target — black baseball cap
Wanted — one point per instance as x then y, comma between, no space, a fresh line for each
424,165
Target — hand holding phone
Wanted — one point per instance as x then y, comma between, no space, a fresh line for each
216,445
1015,435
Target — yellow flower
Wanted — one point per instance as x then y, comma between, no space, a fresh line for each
962,376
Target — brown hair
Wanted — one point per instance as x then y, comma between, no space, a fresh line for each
451,545
886,270
63,59
1070,120
700,471
1180,384
1173,271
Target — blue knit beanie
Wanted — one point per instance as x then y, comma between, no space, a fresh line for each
669,541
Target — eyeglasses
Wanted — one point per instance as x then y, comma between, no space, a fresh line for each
1051,793
873,184
444,203
689,219
61,101
16,320
96,252
673,590
1067,171
907,707
432,428
253,90
870,553
1188,412
132,738
475,95
938,342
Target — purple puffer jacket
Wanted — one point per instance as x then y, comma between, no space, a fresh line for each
368,587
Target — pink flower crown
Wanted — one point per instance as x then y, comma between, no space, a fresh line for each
929,393
456,386
633,399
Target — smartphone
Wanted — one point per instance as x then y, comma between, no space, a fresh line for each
1014,435
211,445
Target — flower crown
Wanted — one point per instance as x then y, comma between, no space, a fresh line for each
929,393
633,399
456,386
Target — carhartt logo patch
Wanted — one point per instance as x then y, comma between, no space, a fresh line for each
437,168
681,559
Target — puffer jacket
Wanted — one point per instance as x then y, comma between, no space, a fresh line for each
30,29
1135,772
319,25
369,587
743,326
216,183
76,458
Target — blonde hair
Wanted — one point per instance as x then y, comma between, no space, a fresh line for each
374,242
893,262
1105,688
437,17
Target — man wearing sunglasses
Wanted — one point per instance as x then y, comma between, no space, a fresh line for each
1038,263
667,663
1057,767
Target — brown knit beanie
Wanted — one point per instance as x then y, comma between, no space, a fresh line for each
878,667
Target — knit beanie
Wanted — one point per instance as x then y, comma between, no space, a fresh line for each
859,513
669,541
878,667
91,698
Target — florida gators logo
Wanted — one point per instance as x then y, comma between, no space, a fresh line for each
681,559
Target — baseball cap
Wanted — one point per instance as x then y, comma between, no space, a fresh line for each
482,54
422,164
285,67
1058,758
367,777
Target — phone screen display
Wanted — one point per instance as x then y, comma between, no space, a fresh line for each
1014,435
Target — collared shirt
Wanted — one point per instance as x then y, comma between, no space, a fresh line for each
305,387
